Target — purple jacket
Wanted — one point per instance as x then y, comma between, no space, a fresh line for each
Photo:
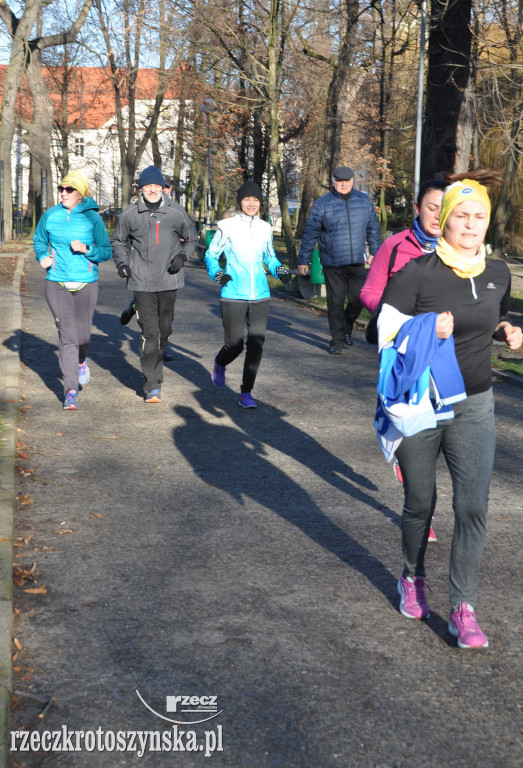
378,276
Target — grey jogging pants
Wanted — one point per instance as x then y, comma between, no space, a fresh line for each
73,314
468,442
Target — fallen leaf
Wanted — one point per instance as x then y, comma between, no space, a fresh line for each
24,499
5,538
18,644
63,531
60,434
22,455
37,590
97,514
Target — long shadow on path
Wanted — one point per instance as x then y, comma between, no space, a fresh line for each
227,458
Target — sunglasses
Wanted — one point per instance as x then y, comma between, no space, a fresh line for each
69,190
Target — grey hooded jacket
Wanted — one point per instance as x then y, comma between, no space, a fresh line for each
147,241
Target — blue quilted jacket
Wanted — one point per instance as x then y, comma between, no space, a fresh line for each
341,226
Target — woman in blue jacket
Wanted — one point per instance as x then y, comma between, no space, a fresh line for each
69,242
245,241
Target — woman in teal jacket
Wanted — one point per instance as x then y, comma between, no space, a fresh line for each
245,241
70,241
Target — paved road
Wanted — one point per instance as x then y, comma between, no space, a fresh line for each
250,556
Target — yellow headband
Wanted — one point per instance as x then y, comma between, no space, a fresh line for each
460,192
78,180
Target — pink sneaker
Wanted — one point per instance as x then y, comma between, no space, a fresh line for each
464,626
432,535
413,603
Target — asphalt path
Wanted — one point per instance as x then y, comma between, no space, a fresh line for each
245,559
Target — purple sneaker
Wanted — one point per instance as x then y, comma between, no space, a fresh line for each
413,603
463,625
218,374
71,400
246,400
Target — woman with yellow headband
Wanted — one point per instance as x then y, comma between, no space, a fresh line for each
470,296
70,241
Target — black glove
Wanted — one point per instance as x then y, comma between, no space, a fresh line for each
284,274
124,270
177,263
222,278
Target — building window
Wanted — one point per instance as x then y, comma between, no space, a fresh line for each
79,146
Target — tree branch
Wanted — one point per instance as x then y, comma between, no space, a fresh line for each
62,38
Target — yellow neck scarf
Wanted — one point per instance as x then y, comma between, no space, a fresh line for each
460,266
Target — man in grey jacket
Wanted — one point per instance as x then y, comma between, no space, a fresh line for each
148,251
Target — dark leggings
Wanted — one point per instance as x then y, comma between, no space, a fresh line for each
235,315
73,314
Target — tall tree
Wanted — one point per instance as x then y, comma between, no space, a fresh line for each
450,39
125,49
510,15
23,46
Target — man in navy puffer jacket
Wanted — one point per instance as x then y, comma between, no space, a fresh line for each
341,222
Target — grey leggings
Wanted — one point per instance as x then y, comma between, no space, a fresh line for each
73,314
468,443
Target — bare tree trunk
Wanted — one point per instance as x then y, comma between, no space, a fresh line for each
310,176
338,89
512,23
39,133
178,150
157,155
19,29
272,92
447,79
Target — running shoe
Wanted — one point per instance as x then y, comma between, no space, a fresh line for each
128,313
413,603
218,375
246,400
84,374
334,350
432,535
71,400
154,396
463,625
347,340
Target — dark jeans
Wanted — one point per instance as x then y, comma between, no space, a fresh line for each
155,314
468,442
73,314
235,315
341,283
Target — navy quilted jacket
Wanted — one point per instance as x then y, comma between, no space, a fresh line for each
341,226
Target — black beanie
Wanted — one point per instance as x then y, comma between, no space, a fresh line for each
249,189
